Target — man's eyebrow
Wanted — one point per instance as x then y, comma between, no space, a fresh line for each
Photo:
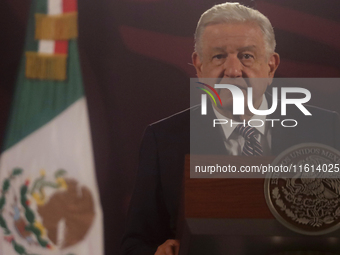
219,48
250,47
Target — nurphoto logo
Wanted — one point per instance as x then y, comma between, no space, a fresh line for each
239,103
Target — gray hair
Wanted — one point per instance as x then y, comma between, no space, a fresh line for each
235,13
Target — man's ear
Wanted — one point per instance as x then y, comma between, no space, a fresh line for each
196,61
274,61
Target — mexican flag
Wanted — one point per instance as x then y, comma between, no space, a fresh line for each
49,200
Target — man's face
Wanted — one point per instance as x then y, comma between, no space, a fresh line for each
231,53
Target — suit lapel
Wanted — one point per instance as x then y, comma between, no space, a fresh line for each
282,137
204,138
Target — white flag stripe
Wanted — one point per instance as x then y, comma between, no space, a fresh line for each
63,143
46,46
55,7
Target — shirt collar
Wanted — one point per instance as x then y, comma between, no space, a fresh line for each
227,129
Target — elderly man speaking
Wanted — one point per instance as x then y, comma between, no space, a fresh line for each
232,42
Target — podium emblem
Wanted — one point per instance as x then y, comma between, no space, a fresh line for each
304,194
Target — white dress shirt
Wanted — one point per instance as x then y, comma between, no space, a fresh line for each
234,142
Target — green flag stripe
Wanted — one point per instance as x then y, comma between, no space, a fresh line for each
37,6
36,102
40,6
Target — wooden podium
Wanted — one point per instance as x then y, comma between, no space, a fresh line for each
231,216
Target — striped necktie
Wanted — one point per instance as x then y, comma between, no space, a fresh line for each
252,146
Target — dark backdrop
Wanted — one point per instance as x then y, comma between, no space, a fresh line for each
135,56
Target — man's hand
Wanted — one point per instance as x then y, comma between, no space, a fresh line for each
169,247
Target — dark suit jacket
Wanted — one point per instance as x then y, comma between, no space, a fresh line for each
155,201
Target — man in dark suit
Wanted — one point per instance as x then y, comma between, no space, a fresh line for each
232,42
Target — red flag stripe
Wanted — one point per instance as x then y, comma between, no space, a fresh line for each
61,47
70,6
